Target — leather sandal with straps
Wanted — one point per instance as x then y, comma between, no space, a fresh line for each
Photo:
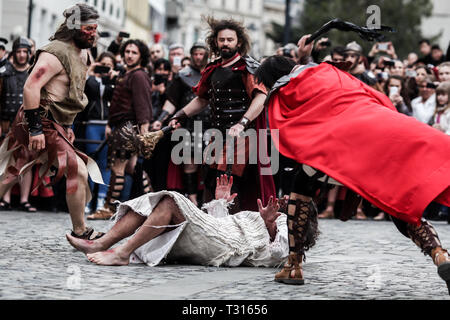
89,234
292,272
27,207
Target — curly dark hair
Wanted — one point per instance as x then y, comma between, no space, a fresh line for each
143,50
218,25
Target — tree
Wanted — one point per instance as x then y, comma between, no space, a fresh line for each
403,15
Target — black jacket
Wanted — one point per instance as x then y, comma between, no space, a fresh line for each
97,108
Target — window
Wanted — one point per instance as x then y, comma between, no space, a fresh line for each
111,9
104,5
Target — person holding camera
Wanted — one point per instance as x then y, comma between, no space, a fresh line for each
396,91
130,114
99,90
176,54
114,46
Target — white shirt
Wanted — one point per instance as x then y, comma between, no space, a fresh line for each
424,111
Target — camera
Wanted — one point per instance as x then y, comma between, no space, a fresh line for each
124,34
389,63
382,76
326,43
104,34
159,78
287,53
101,69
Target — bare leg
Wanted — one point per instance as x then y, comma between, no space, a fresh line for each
77,201
165,213
124,228
25,188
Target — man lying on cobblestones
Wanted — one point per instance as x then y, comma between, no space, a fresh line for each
168,225
52,97
331,121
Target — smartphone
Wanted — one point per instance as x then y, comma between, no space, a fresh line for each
101,69
410,73
104,34
177,61
124,34
158,79
392,91
383,46
389,63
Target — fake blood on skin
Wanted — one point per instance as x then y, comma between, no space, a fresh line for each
39,73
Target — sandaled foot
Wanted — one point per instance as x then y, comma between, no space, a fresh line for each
101,214
85,246
26,206
5,206
292,272
108,258
89,234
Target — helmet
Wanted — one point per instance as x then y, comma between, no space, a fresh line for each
353,46
21,42
198,45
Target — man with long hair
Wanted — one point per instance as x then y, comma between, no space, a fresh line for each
237,103
330,121
130,112
53,95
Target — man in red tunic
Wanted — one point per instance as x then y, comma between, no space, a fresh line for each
330,121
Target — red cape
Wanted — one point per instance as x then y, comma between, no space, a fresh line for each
335,123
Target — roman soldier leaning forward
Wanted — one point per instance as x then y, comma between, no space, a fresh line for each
179,94
130,114
336,114
53,96
237,103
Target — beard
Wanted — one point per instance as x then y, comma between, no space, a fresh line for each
131,66
81,41
228,54
21,64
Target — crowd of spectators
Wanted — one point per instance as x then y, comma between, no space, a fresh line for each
418,86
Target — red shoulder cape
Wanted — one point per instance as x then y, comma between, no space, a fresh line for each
333,122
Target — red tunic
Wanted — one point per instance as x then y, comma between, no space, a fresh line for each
333,122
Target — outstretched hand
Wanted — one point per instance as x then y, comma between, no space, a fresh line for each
271,211
223,188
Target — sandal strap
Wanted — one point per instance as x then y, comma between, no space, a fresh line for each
87,235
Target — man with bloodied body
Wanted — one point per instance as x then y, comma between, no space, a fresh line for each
53,95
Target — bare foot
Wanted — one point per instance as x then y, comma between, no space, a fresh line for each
85,246
108,258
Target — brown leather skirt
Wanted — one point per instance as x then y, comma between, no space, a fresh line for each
59,152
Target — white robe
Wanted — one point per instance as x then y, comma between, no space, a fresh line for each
213,239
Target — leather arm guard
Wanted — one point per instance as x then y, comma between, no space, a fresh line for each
181,116
163,116
34,122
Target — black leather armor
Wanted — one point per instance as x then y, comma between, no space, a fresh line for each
228,98
12,91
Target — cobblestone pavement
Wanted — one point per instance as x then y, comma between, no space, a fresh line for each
352,260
